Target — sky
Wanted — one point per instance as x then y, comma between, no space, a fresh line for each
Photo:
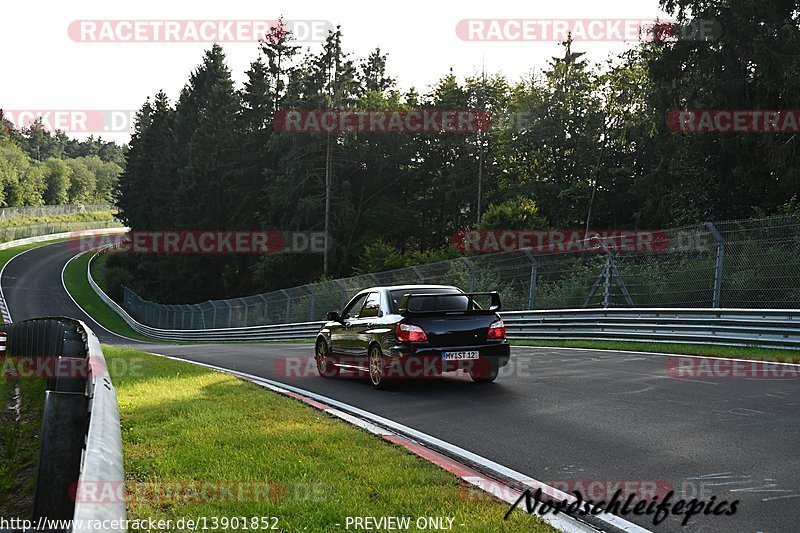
49,64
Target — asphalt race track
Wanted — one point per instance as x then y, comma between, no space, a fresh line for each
557,415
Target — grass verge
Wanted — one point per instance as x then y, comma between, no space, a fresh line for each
737,352
78,286
22,404
185,426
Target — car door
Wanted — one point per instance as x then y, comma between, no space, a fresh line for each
363,325
341,332
354,345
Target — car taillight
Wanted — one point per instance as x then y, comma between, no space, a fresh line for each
410,333
497,330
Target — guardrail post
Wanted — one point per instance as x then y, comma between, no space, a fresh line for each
720,262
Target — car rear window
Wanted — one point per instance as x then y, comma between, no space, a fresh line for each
451,303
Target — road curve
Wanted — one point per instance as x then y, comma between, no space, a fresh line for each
32,287
568,417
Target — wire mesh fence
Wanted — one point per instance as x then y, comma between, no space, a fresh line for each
13,226
10,233
739,263
36,211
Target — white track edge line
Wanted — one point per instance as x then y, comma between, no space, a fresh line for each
64,285
663,354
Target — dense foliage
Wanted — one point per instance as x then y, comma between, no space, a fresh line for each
576,145
38,167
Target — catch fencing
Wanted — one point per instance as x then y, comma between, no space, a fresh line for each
10,230
38,211
746,264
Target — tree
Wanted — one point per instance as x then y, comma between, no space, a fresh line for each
106,176
82,182
56,175
22,179
553,155
520,213
752,63
373,72
39,143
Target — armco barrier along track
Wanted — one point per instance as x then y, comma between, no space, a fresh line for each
81,440
777,328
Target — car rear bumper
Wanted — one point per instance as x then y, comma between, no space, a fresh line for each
419,361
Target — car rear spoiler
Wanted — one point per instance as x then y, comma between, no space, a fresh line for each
493,308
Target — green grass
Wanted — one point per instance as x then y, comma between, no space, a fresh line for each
737,352
19,442
190,427
78,286
98,271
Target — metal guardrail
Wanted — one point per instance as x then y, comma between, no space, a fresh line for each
81,440
752,264
102,458
775,328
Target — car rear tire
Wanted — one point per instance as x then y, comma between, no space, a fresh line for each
325,366
485,371
377,368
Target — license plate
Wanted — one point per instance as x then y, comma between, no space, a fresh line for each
460,356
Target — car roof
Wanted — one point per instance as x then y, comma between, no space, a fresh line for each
415,287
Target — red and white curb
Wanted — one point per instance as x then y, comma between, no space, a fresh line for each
421,444
4,310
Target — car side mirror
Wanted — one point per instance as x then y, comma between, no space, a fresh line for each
333,316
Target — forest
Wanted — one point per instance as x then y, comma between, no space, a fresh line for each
575,145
